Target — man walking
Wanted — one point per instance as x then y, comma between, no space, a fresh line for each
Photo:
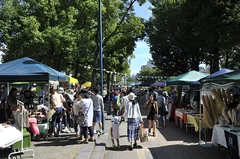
98,107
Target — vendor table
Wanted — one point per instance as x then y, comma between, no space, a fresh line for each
9,135
193,120
187,117
232,142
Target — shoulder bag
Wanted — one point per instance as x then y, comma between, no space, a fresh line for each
82,117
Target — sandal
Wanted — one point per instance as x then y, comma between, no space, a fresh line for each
91,140
84,142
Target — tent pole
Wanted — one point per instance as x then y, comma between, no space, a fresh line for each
8,87
200,120
203,143
48,95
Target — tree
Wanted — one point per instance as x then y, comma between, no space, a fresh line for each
64,34
184,33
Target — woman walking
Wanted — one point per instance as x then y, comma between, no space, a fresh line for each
57,101
134,118
76,104
86,108
152,113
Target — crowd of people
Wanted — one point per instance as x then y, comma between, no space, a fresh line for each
83,110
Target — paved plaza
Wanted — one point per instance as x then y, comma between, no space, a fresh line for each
170,142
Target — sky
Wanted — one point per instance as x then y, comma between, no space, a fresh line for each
141,51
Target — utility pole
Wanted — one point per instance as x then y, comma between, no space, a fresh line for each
101,55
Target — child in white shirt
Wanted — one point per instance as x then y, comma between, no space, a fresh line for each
115,131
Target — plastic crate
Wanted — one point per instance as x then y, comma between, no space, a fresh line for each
26,141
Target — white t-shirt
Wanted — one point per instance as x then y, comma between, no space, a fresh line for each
75,106
85,104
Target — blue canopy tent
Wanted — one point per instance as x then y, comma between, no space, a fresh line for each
215,74
27,69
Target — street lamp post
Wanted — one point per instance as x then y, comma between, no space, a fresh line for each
101,54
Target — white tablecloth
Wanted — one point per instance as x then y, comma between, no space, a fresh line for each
9,135
179,113
218,136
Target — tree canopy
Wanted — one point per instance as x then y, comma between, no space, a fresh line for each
184,33
64,34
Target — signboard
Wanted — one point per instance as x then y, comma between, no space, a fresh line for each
232,144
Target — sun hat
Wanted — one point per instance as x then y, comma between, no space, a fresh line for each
115,119
61,90
131,96
165,93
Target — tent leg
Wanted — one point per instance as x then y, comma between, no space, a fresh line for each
48,95
21,152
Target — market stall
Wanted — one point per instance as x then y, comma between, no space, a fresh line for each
27,69
190,82
220,114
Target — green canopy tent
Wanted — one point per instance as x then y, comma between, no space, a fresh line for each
187,78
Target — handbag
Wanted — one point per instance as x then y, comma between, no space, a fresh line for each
82,117
143,134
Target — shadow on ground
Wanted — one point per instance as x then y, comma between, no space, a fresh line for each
187,152
122,148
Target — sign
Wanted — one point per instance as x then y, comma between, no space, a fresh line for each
232,144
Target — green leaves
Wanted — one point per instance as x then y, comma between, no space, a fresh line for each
64,34
184,33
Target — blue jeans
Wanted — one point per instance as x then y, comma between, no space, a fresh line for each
85,130
75,123
162,118
56,119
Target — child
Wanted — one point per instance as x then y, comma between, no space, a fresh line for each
115,131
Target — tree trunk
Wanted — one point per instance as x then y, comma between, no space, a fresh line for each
112,82
108,82
227,60
215,61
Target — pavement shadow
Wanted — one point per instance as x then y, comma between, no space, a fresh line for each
123,136
173,133
187,152
123,148
57,141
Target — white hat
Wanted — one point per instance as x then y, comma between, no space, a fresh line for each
165,93
60,90
115,119
131,96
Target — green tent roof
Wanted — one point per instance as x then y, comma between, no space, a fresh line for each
187,78
224,78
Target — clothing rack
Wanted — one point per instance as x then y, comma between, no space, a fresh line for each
22,149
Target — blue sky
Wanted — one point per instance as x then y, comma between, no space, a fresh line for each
141,51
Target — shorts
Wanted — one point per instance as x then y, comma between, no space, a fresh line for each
97,116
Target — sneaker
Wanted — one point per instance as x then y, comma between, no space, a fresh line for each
66,130
113,146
